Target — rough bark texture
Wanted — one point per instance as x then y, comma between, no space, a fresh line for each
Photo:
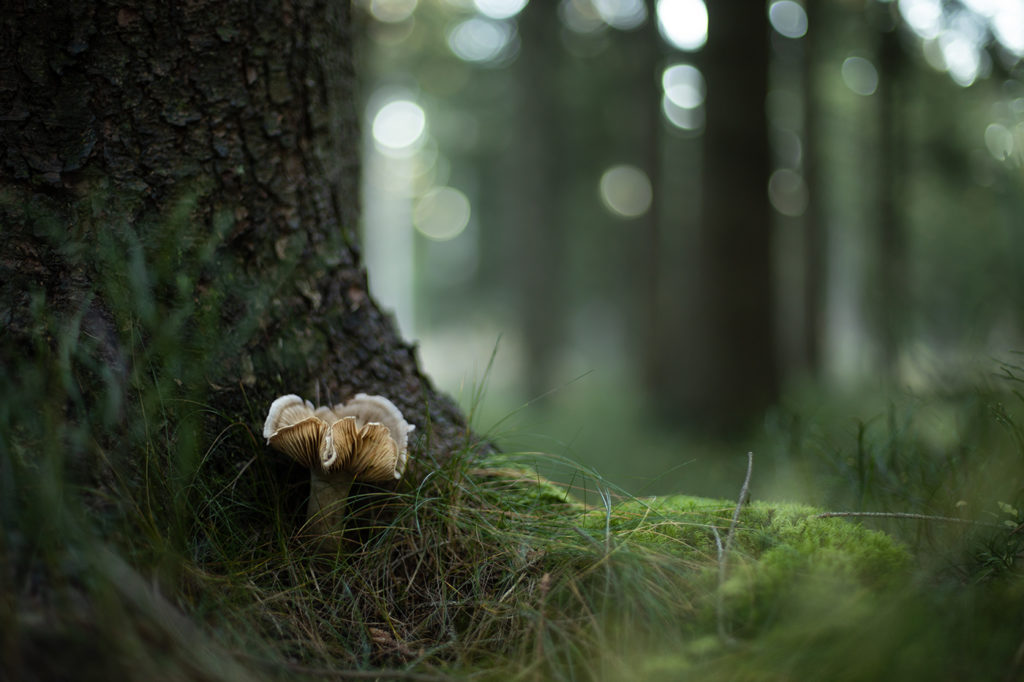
214,143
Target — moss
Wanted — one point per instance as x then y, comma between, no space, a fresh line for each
521,488
776,541
641,577
773,533
784,562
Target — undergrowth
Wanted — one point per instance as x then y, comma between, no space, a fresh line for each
481,570
148,535
954,453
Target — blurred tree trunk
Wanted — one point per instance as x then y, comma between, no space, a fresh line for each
181,178
891,292
814,217
537,197
727,362
650,263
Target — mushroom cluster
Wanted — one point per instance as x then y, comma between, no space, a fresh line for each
365,438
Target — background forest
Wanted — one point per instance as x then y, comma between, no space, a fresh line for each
687,229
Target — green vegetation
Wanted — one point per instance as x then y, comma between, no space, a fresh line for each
148,535
185,559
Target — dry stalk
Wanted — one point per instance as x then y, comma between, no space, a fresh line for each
723,550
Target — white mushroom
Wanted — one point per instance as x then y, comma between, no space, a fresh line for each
365,438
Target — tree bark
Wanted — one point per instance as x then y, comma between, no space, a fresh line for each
180,180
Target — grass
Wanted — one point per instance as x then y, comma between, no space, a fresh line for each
138,543
483,570
187,559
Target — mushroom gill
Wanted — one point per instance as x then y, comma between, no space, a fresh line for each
365,439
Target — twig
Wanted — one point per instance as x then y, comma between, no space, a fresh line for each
719,602
606,500
723,549
905,515
744,492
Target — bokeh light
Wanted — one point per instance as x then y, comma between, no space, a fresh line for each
626,191
788,148
482,40
1008,27
923,16
500,9
399,127
392,11
955,36
1005,20
684,85
683,23
580,17
683,99
788,18
442,213
787,192
962,56
999,141
621,14
860,76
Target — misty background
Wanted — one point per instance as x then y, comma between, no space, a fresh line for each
648,236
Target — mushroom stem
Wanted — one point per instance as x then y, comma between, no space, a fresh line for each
365,437
328,495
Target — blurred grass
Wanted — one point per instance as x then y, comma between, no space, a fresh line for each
952,449
484,570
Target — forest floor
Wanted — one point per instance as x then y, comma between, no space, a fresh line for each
487,570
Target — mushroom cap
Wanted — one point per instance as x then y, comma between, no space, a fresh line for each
286,411
366,436
368,452
371,411
292,428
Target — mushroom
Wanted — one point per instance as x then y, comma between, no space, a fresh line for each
365,438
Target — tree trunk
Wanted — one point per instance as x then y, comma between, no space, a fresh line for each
541,182
891,292
814,247
178,195
649,318
727,362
